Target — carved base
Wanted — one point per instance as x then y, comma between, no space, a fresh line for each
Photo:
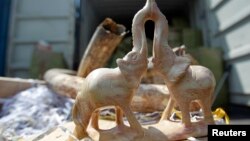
164,130
177,131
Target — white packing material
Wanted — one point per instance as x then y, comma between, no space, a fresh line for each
33,111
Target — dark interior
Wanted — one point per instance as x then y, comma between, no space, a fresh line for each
122,11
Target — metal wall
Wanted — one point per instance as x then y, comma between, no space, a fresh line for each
4,20
226,24
35,20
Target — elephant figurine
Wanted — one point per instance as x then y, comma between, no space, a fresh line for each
113,86
186,82
110,87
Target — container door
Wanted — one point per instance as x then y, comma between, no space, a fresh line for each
35,20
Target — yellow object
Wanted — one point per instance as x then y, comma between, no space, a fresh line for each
219,113
177,113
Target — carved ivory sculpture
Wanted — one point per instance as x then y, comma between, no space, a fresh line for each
186,83
116,87
105,87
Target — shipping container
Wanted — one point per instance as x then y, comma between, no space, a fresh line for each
224,25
